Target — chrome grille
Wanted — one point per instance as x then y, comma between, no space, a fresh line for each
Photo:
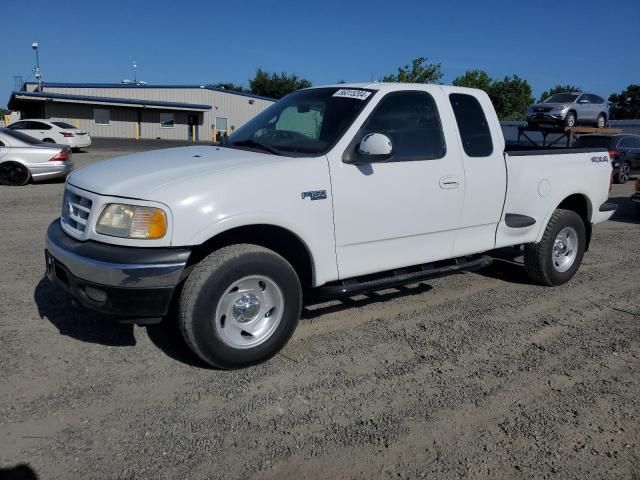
75,211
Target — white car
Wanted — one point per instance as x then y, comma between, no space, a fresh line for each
335,190
53,132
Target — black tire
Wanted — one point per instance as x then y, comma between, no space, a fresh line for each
14,174
601,121
622,175
539,257
570,120
48,140
204,289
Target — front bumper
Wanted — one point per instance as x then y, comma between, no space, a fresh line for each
546,117
125,281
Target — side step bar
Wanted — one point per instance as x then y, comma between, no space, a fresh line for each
394,278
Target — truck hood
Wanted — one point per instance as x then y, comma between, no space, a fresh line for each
141,174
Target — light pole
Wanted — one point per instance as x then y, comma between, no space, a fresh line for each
34,46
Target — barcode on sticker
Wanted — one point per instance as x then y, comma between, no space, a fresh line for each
352,93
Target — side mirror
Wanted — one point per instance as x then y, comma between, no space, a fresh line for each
375,147
583,101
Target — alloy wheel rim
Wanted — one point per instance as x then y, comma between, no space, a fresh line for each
249,312
565,249
625,171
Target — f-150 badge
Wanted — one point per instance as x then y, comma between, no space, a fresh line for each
315,195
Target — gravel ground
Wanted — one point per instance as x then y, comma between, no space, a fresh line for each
478,375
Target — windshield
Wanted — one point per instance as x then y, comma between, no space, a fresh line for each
307,122
592,142
562,98
21,136
63,125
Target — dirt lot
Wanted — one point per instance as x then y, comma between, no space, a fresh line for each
477,375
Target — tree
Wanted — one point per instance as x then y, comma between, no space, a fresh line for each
559,89
230,86
626,105
420,71
511,97
474,79
276,85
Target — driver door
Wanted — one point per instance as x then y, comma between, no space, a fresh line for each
403,211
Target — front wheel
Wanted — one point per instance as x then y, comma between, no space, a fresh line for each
570,120
239,306
556,259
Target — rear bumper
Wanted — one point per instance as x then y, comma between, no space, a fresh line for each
125,281
82,141
636,197
48,170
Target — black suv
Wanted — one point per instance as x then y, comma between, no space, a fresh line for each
624,151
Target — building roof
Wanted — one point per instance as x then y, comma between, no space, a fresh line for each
136,85
18,97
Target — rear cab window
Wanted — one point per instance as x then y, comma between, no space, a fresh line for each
472,125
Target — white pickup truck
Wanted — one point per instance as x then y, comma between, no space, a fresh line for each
335,190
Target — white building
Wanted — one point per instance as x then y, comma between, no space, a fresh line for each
127,110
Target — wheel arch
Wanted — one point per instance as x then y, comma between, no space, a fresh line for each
279,239
578,203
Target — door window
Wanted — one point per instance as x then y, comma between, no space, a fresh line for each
39,126
472,125
412,123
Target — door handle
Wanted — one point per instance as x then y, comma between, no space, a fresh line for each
449,182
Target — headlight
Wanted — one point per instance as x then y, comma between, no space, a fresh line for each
132,221
560,107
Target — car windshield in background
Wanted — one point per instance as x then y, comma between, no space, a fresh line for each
592,142
21,136
308,122
562,98
63,125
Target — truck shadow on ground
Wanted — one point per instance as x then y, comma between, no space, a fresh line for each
626,211
20,472
77,322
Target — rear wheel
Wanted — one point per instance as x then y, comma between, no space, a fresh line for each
570,120
623,174
556,259
602,120
239,306
14,173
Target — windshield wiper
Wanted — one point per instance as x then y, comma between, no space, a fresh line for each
259,145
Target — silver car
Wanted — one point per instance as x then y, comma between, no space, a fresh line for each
24,158
570,109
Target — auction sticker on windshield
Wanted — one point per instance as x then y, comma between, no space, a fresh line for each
352,93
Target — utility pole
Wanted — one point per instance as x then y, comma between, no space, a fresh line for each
34,46
135,73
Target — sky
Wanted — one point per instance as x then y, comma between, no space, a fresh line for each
594,45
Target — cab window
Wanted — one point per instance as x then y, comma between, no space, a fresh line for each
472,125
412,123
